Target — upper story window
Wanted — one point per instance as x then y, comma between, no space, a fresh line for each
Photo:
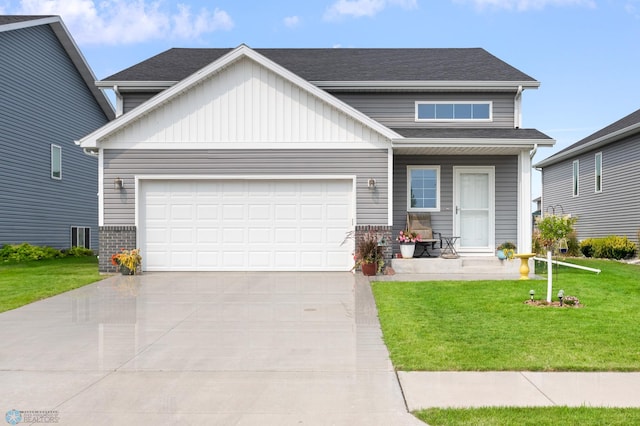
453,111
423,189
56,162
598,172
576,178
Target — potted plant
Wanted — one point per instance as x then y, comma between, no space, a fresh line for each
408,240
127,261
506,250
368,255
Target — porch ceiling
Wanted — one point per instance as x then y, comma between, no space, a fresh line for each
459,150
468,141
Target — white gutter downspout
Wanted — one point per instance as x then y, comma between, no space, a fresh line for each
517,116
119,101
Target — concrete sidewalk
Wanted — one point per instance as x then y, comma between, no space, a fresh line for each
523,389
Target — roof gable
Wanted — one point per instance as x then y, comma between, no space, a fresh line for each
241,98
17,22
355,65
624,127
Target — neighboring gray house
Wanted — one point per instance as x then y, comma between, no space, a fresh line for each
597,179
48,98
264,159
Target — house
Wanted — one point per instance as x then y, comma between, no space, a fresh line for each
48,99
597,180
264,159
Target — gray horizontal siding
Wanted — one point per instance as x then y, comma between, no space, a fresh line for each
614,211
506,192
398,109
44,101
133,99
119,205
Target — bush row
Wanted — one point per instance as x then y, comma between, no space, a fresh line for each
611,247
23,252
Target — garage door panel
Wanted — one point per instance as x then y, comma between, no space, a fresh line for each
259,235
207,236
246,225
207,212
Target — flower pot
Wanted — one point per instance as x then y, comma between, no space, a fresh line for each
407,250
369,269
501,255
126,271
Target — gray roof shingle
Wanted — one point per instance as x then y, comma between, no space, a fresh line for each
12,19
472,133
468,64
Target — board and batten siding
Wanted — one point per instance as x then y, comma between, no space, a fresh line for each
44,101
371,205
397,110
506,192
615,210
245,103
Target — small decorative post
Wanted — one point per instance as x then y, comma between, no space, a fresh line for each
524,264
561,296
532,293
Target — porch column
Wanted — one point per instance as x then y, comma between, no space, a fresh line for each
524,202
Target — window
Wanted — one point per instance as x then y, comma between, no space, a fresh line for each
81,236
576,176
598,172
56,162
423,189
459,111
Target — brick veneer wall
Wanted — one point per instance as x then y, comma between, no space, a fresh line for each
112,239
382,233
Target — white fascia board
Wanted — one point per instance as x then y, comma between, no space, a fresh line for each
135,84
596,143
91,140
452,85
473,142
30,23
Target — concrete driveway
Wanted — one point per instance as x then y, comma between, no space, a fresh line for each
202,348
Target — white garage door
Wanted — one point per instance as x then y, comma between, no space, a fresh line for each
246,225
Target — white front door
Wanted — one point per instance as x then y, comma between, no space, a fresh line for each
474,212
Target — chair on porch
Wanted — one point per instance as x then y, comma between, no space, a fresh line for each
420,223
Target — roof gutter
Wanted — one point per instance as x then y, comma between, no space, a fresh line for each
425,84
603,140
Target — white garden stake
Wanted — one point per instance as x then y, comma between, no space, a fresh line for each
549,276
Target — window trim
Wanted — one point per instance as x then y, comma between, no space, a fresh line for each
597,185
423,209
86,230
576,178
54,149
449,120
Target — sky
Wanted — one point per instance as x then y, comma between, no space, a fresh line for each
585,53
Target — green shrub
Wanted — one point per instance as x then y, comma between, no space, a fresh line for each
587,247
23,252
611,247
78,252
573,245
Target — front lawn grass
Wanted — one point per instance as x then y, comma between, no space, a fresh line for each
26,282
485,325
534,416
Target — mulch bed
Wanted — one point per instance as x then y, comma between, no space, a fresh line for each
555,304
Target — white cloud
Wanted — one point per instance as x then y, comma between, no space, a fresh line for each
523,5
360,8
188,26
632,7
291,21
116,22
